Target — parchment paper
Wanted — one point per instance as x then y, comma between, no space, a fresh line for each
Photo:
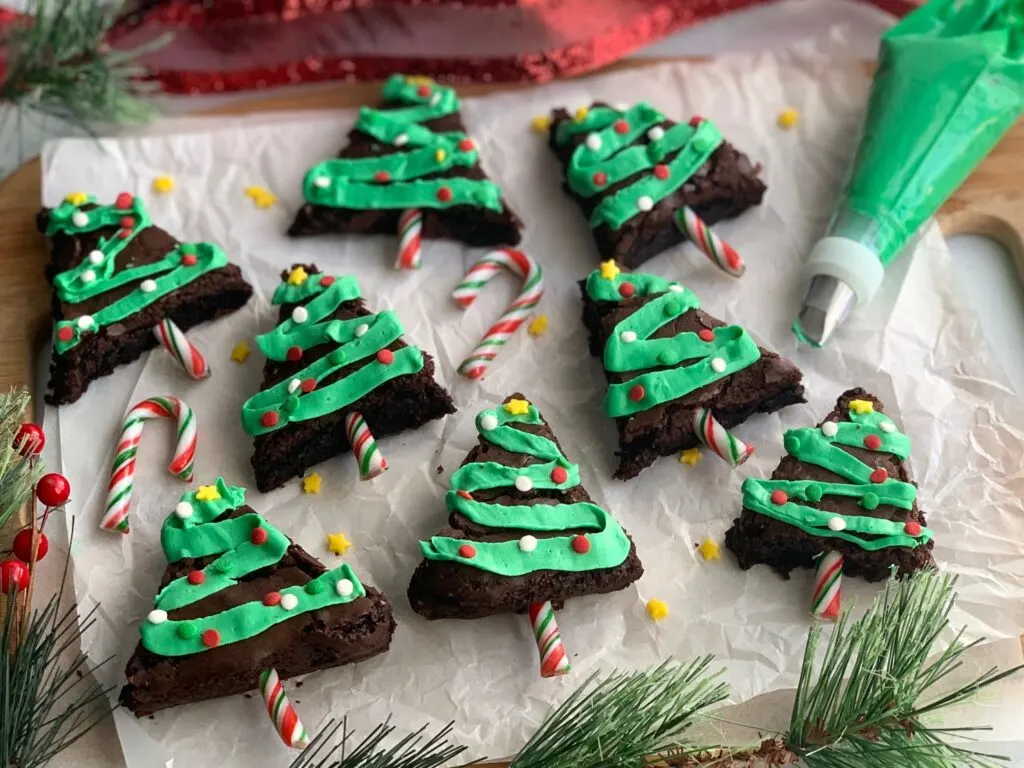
918,347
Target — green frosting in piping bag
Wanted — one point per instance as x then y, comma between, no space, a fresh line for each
195,534
607,544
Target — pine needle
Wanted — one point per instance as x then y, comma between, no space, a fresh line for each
412,751
18,476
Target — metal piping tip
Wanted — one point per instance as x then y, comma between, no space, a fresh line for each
826,306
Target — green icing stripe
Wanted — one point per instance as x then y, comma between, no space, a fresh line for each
610,156
609,546
604,289
198,536
355,340
396,181
73,286
812,446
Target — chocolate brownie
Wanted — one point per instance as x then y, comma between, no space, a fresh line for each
631,169
521,528
410,154
115,276
844,487
254,601
329,359
667,361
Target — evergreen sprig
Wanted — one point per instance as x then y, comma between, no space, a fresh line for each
18,475
412,751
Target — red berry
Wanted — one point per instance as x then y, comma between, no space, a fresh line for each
706,334
467,551
423,91
637,393
386,357
53,489
196,577
124,201
912,528
308,385
30,438
626,290
13,575
872,442
661,171
621,126
294,354
559,475
258,535
189,260
22,545
779,496
467,145
382,177
66,333
127,222
211,638
124,234
879,475
580,545
269,419
600,179
272,598
327,281
444,194
696,120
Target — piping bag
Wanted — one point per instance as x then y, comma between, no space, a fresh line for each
949,84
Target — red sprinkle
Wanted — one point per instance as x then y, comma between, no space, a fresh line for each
196,577
600,179
272,598
66,333
258,535
467,145
621,126
879,475
444,194
327,281
661,171
559,475
124,201
696,120
873,442
382,176
127,222
308,385
269,419
637,393
386,356
124,234
912,528
189,260
580,545
706,334
467,551
779,496
423,91
211,638
464,494
626,290
294,354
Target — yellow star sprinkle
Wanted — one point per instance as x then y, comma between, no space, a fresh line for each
338,543
311,483
788,118
419,80
537,326
240,353
862,406
709,549
581,114
609,269
207,493
263,197
657,609
297,276
517,407
163,184
77,198
440,155
541,124
690,456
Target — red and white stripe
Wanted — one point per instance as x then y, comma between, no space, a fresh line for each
282,714
828,581
182,350
720,440
722,255
364,447
554,660
410,239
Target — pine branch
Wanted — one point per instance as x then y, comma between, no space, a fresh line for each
18,476
623,719
412,751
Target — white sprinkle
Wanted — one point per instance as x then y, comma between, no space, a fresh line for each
183,511
836,524
645,203
621,106
593,142
488,422
676,288
524,484
156,616
95,257
322,181
79,218
361,329
435,99
300,315
289,602
147,286
627,337
887,426
657,133
717,365
293,386
830,429
528,543
84,322
88,276
344,587
401,140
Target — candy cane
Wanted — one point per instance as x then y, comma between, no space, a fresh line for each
722,255
364,447
122,476
282,713
183,350
720,440
828,578
553,659
480,273
410,239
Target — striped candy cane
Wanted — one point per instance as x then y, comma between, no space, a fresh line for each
122,476
722,255
553,659
183,350
480,273
282,713
410,239
368,456
828,578
719,440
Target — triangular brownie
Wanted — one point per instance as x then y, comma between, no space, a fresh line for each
522,530
411,153
665,359
238,597
630,168
843,487
330,356
115,276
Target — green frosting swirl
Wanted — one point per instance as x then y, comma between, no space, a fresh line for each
608,544
89,278
404,179
355,340
197,535
812,446
610,156
672,367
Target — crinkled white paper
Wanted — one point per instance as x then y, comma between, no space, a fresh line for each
918,347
